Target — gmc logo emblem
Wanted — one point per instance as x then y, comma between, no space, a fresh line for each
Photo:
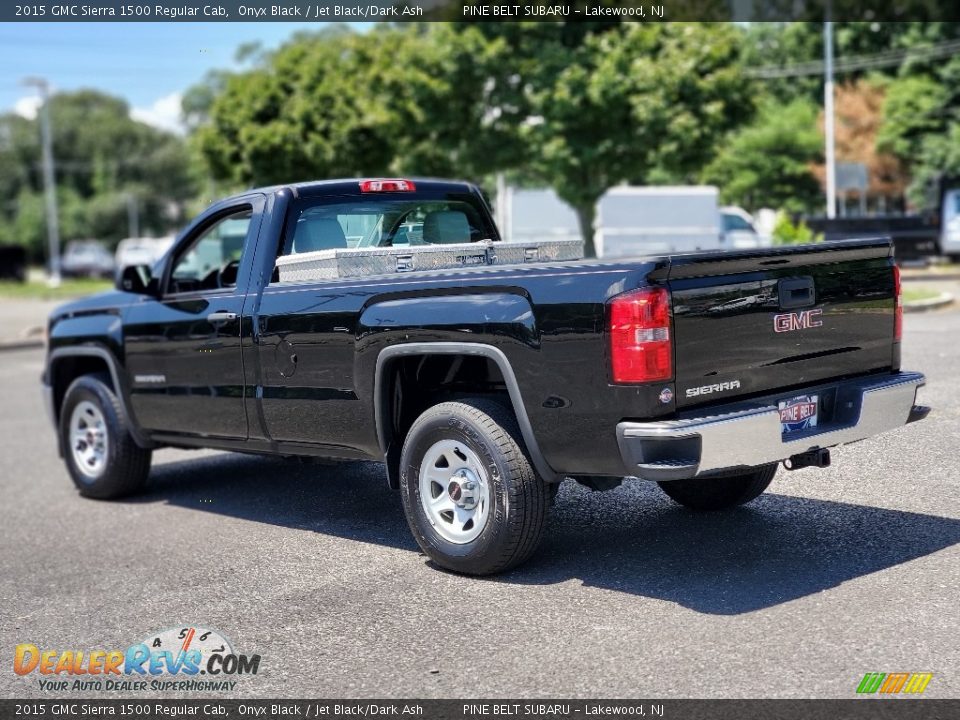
787,322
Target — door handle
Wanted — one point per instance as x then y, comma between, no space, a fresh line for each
796,293
218,317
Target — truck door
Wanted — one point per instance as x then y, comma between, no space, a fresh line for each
183,351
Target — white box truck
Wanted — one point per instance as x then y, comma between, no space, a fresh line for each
652,220
669,219
530,214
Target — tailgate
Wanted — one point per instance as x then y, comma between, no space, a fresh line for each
753,322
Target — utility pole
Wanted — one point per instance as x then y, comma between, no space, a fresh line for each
49,179
828,116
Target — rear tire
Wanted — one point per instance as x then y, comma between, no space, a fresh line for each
720,493
102,457
472,499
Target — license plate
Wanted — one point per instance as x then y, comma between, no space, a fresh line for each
798,414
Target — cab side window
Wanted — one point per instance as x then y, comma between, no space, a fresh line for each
211,261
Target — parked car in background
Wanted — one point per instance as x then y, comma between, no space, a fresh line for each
141,251
87,258
13,263
740,230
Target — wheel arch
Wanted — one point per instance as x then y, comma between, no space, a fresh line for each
66,364
383,402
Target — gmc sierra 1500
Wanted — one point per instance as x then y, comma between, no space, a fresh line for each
481,386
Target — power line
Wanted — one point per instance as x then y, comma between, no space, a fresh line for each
853,63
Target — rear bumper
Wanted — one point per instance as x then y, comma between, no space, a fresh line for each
747,434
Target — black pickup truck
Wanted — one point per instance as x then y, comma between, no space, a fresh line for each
480,386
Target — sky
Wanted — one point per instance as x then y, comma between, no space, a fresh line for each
147,64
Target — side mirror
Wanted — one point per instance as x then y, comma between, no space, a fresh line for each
137,279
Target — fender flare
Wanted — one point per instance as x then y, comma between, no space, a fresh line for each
119,385
460,348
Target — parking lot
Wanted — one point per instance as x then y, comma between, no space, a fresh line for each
831,574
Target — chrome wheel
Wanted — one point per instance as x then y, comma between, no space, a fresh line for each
454,491
88,439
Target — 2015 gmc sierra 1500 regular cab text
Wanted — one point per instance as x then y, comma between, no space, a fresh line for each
299,320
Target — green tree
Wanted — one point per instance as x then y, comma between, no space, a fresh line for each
922,93
912,110
340,104
792,44
768,163
578,106
103,158
786,232
633,104
921,125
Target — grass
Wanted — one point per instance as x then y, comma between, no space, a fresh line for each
38,290
913,294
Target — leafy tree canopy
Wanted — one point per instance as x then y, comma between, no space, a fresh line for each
102,158
768,162
580,107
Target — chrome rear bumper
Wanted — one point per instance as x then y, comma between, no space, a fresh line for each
748,434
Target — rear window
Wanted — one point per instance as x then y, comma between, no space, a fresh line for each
383,222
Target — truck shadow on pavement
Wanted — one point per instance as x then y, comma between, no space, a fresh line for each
632,540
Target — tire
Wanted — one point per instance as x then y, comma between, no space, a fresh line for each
720,493
91,409
476,445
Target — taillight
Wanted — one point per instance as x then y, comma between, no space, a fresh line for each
640,348
898,307
371,186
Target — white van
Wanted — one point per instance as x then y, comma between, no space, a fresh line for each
740,230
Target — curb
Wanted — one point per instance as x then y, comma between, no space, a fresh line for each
20,344
32,337
943,300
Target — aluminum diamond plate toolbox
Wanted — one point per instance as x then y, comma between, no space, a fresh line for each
364,262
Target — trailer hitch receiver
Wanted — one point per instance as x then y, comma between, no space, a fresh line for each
811,458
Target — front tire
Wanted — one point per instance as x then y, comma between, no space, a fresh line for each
473,501
720,493
102,457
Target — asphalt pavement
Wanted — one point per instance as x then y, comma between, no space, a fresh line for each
831,574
